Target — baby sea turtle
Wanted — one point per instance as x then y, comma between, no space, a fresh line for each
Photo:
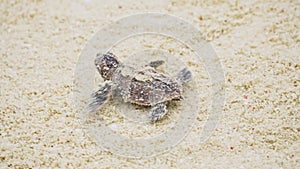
142,86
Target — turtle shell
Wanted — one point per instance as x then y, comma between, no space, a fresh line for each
145,86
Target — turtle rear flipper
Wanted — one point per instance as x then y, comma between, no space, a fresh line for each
158,112
184,75
99,97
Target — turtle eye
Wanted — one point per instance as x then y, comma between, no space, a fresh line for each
111,62
110,65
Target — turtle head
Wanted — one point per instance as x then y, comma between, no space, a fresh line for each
106,65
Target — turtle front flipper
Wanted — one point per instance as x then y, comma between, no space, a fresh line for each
158,112
99,97
156,63
184,75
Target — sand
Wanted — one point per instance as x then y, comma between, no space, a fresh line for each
258,46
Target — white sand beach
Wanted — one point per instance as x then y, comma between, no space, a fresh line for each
258,45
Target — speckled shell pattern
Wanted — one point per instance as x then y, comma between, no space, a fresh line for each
145,86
